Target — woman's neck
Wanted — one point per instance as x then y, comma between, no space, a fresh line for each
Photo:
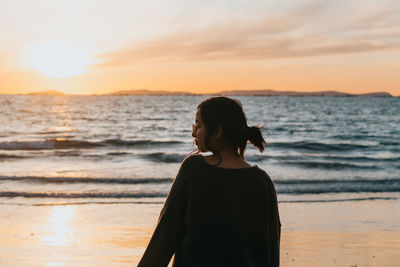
229,158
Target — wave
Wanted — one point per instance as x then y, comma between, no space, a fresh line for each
78,144
165,157
363,158
328,181
47,144
120,142
389,143
325,161
152,202
316,146
337,200
303,186
329,165
156,119
81,195
65,144
86,180
79,153
10,157
323,188
288,129
298,186
118,153
68,203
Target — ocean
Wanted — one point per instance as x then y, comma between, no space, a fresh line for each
128,149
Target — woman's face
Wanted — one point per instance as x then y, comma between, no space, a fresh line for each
199,133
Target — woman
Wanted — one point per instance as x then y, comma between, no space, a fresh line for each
221,211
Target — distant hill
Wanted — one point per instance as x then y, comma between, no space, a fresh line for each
266,92
49,92
250,93
293,93
149,92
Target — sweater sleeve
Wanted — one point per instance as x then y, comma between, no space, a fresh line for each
274,224
170,229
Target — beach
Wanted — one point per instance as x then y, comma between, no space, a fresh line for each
102,104
361,233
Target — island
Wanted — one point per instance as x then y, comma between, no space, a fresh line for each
266,92
149,92
294,93
48,92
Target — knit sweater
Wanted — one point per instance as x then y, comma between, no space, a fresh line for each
217,217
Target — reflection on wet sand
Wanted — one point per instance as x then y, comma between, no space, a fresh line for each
100,235
58,231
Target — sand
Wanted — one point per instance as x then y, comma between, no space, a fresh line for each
363,233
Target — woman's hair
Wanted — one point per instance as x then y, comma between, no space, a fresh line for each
228,114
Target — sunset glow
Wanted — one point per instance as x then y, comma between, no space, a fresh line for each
94,47
57,59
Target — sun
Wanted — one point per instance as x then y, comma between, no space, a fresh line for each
58,59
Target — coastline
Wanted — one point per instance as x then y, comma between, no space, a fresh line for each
263,92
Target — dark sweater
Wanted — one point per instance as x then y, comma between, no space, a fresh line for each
217,217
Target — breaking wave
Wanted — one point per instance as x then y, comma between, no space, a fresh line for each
78,144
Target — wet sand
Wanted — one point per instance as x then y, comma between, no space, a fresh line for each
340,249
363,233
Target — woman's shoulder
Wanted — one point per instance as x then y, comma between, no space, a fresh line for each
263,175
191,163
192,159
262,172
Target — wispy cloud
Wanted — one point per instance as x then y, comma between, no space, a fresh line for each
308,30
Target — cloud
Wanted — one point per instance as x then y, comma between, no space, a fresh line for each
314,29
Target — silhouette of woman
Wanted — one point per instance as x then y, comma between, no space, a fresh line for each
221,211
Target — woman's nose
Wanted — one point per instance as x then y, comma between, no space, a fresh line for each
193,131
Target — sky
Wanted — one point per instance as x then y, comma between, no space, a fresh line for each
199,46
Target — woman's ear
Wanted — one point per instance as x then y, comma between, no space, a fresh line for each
218,132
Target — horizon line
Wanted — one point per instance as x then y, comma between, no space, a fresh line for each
250,92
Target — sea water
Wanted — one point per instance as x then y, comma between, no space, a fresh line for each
118,149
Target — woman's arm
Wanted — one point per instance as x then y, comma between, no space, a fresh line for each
170,229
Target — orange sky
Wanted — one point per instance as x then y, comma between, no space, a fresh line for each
87,47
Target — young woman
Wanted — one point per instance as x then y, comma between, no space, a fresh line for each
221,211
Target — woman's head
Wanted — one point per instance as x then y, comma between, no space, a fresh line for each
221,123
